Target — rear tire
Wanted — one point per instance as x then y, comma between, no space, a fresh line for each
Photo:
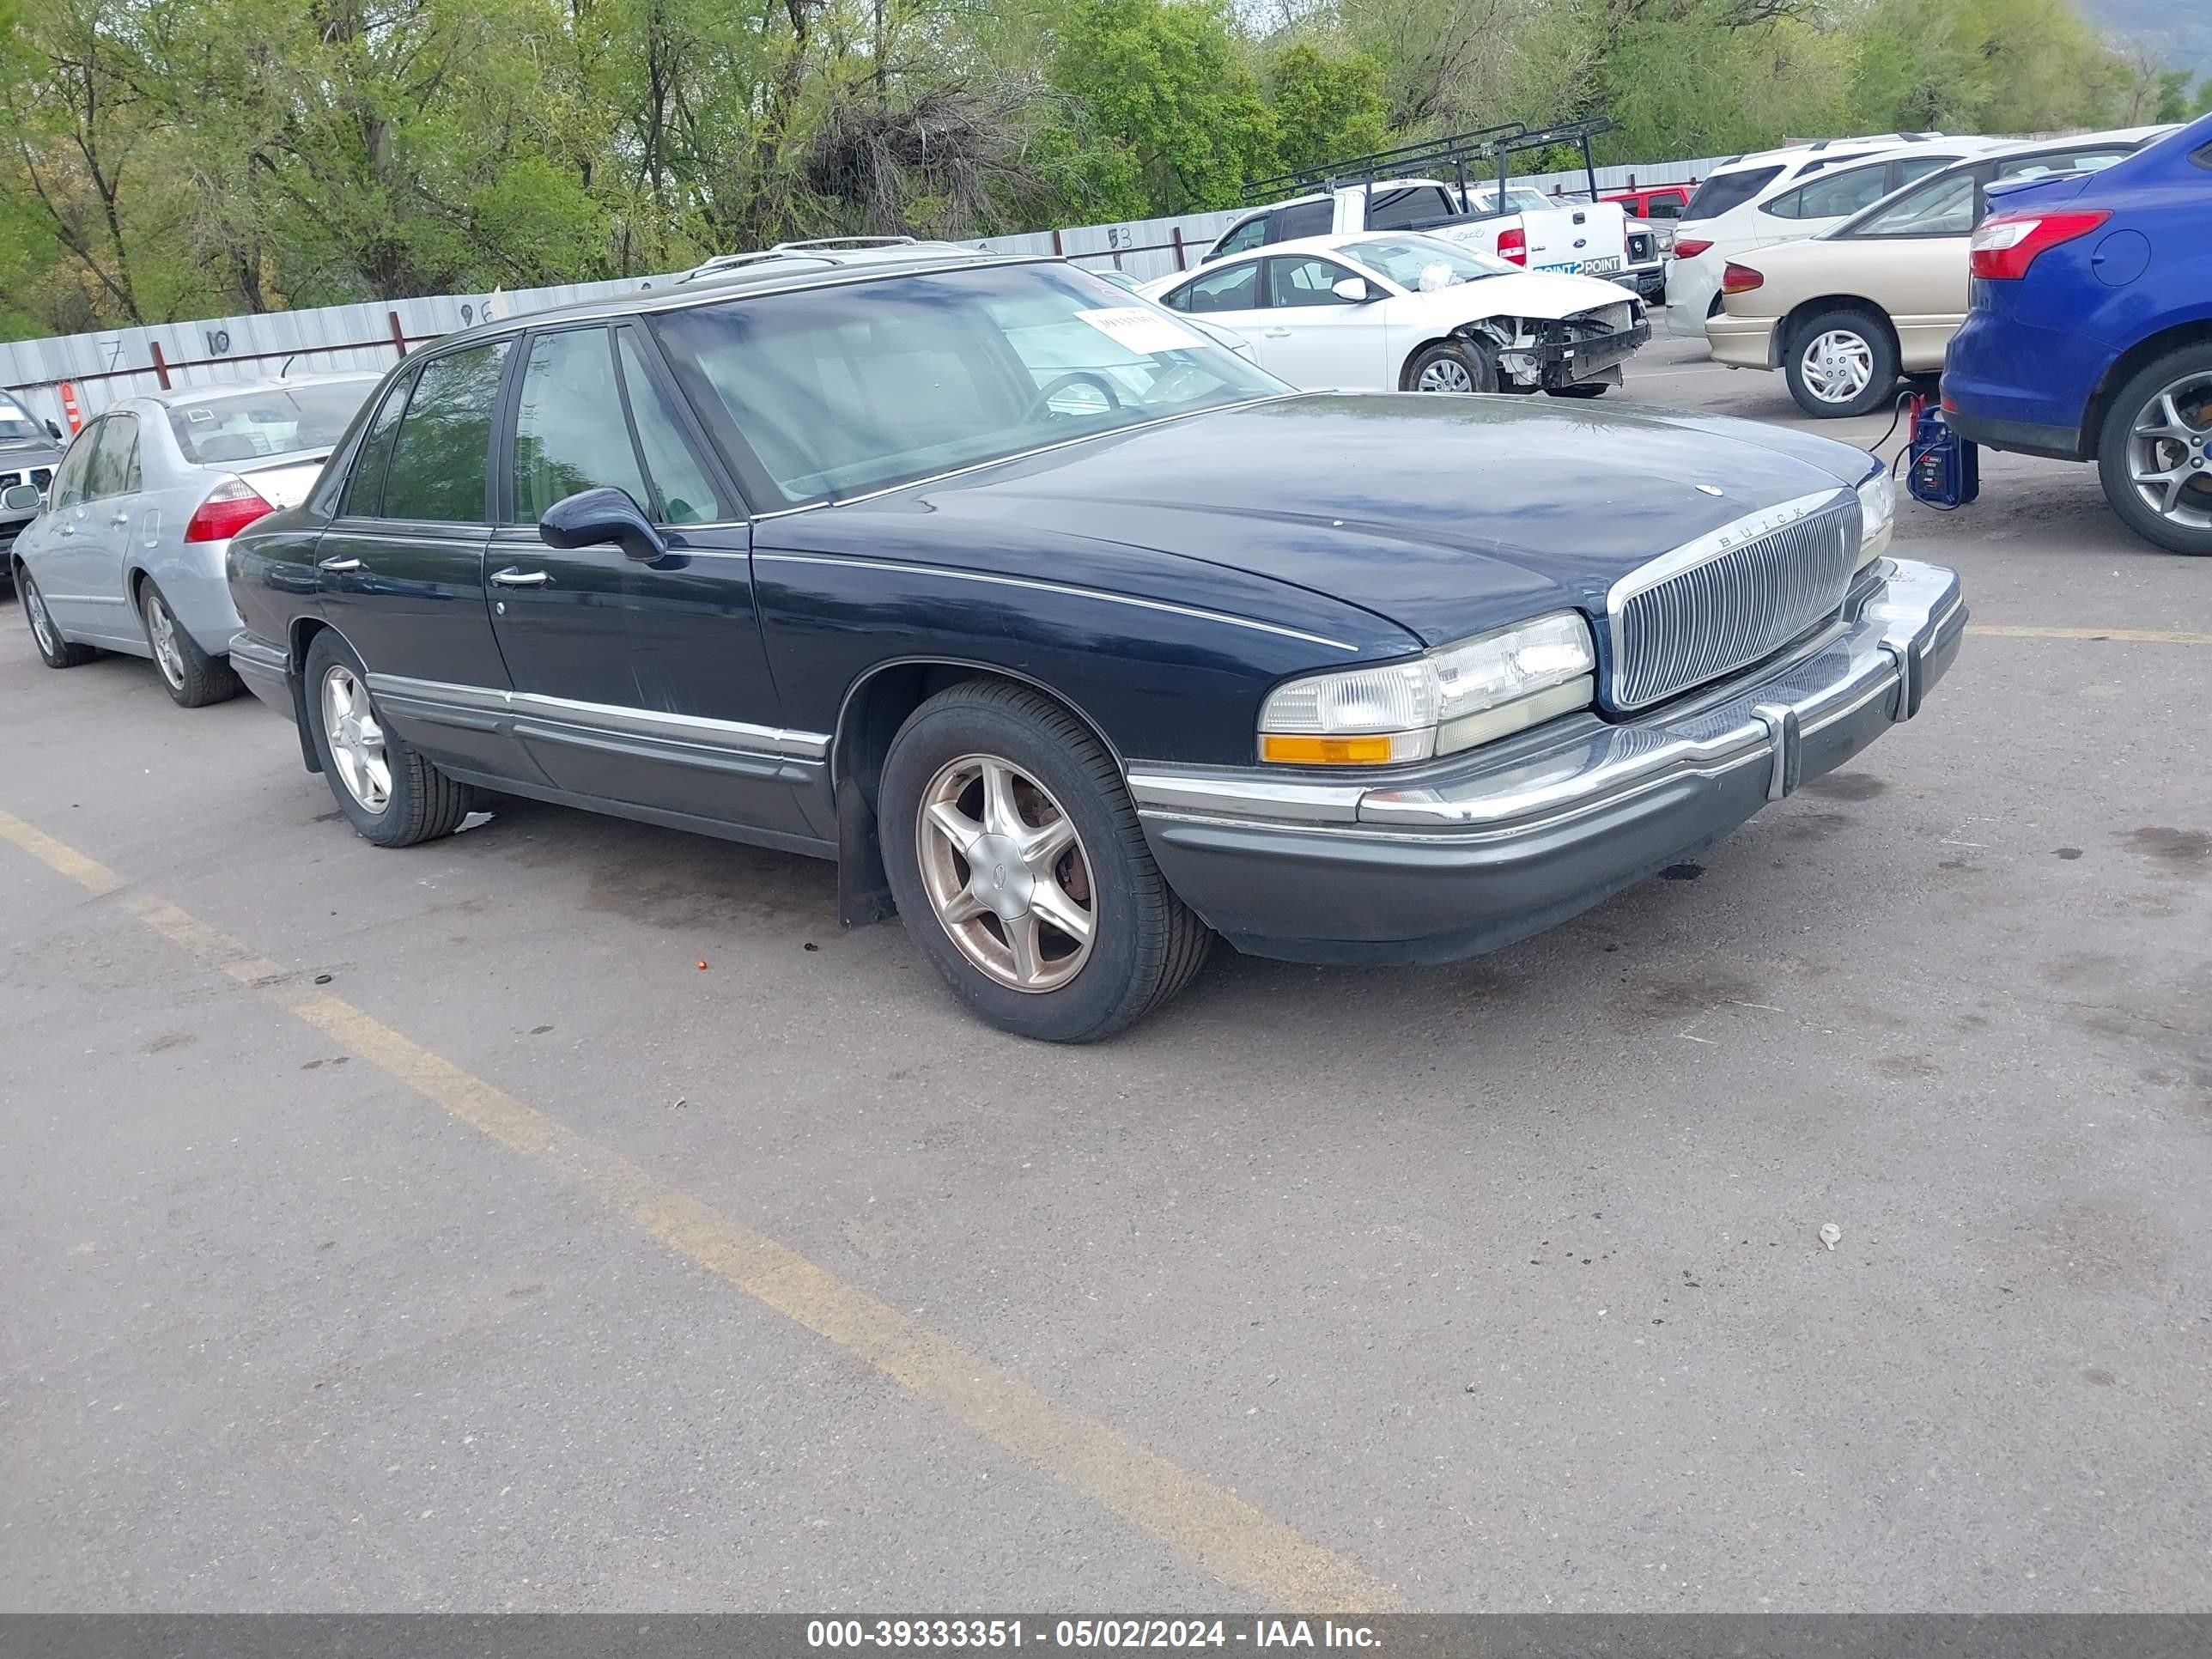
53,650
1840,363
2139,448
1451,366
192,679
387,790
984,922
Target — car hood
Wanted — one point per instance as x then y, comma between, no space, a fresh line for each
35,451
1544,294
1444,515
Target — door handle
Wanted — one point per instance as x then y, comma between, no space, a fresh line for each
120,518
339,566
1276,333
512,577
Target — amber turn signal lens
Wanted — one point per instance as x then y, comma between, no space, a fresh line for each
1327,751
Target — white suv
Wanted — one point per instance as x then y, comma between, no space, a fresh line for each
1785,196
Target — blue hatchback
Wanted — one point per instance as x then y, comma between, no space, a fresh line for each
2090,336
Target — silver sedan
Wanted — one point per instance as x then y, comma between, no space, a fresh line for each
127,551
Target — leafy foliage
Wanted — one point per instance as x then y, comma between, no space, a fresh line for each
161,158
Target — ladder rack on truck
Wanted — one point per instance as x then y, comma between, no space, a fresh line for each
1465,159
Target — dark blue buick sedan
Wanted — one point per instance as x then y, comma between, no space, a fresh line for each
1071,636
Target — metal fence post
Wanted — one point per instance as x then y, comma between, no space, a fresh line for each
160,365
398,334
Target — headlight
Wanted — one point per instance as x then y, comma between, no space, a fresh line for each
1877,516
1456,696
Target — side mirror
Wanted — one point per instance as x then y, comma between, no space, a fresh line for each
23,498
595,516
1353,289
54,432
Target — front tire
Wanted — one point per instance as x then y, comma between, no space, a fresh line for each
1020,869
2154,452
192,679
387,790
1451,366
1841,363
53,650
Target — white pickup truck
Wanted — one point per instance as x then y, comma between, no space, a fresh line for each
1518,224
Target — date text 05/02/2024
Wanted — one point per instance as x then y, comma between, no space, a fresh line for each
831,1635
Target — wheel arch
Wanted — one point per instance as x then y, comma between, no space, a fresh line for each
875,706
299,635
2195,331
1793,320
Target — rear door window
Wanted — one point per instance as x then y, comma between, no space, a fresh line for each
1666,204
441,455
1727,191
1842,194
1941,206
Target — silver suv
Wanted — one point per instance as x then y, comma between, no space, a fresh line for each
30,450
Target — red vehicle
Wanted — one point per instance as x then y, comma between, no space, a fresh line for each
1654,201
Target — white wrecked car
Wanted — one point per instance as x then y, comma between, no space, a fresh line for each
1397,311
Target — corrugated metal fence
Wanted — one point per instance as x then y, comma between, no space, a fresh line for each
103,367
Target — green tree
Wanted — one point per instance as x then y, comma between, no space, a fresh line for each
1161,99
1326,106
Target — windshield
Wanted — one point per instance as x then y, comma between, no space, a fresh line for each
1424,263
839,391
16,424
241,426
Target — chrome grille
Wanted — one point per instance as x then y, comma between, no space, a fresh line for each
1728,599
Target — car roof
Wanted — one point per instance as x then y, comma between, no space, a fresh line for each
186,394
785,271
1841,147
827,251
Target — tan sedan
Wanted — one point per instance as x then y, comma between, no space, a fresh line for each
1845,313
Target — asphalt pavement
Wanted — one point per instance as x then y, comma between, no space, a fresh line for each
570,1215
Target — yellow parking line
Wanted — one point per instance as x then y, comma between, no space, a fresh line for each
1220,1531
2130,636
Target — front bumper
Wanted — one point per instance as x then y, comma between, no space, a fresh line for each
1478,851
1557,363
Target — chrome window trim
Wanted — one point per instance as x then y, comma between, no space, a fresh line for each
1033,585
613,719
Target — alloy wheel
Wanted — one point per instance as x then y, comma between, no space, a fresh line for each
1837,366
161,632
1006,873
356,739
1445,375
42,631
2168,457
